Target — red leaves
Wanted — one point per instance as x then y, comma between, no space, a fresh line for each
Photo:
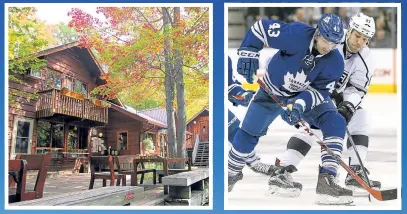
130,43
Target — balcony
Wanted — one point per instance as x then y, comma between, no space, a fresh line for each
52,102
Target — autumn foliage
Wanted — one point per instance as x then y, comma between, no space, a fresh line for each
129,43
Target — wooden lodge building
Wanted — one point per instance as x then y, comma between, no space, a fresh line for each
65,120
198,125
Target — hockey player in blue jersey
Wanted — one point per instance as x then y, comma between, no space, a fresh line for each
349,93
302,74
237,95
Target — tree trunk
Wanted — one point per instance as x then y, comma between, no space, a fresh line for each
169,90
179,82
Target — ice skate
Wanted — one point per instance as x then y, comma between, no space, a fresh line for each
281,182
232,179
353,185
259,167
330,193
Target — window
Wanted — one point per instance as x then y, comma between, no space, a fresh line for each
148,141
52,80
50,138
73,137
22,138
22,134
34,73
81,87
77,141
122,140
69,83
43,134
57,136
83,138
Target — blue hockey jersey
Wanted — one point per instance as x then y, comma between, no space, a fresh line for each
296,70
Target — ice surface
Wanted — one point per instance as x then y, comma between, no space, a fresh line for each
382,161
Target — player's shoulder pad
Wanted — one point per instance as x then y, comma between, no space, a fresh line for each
300,25
367,58
300,29
300,35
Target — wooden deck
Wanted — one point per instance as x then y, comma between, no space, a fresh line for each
53,102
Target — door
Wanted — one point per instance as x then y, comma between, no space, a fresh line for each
204,130
22,136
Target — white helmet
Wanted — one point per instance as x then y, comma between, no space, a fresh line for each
363,24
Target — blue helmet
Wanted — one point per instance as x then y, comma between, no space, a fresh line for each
330,27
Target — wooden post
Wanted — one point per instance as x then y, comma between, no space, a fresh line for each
66,134
53,97
165,169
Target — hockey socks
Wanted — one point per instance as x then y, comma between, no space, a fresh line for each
237,161
329,163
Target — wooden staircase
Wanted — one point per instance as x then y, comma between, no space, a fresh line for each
202,154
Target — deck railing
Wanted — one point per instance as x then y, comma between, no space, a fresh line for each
52,102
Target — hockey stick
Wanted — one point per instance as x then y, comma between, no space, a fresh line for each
381,195
360,160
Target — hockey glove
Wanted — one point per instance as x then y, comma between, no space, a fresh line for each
337,97
248,63
346,109
293,113
243,98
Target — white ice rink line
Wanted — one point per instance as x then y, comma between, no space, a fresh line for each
382,161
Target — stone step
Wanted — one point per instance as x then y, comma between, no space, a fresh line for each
186,178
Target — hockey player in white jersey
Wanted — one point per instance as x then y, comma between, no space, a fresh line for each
348,95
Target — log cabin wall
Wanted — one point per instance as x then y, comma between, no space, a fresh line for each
23,109
199,125
65,63
119,122
68,64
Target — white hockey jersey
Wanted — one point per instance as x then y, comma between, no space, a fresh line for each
358,72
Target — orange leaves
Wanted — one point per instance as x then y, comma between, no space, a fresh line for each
130,43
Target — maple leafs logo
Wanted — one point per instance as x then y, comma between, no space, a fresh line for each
295,83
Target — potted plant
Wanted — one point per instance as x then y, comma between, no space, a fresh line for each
69,93
78,94
66,92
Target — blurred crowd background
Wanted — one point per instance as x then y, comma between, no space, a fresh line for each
385,18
